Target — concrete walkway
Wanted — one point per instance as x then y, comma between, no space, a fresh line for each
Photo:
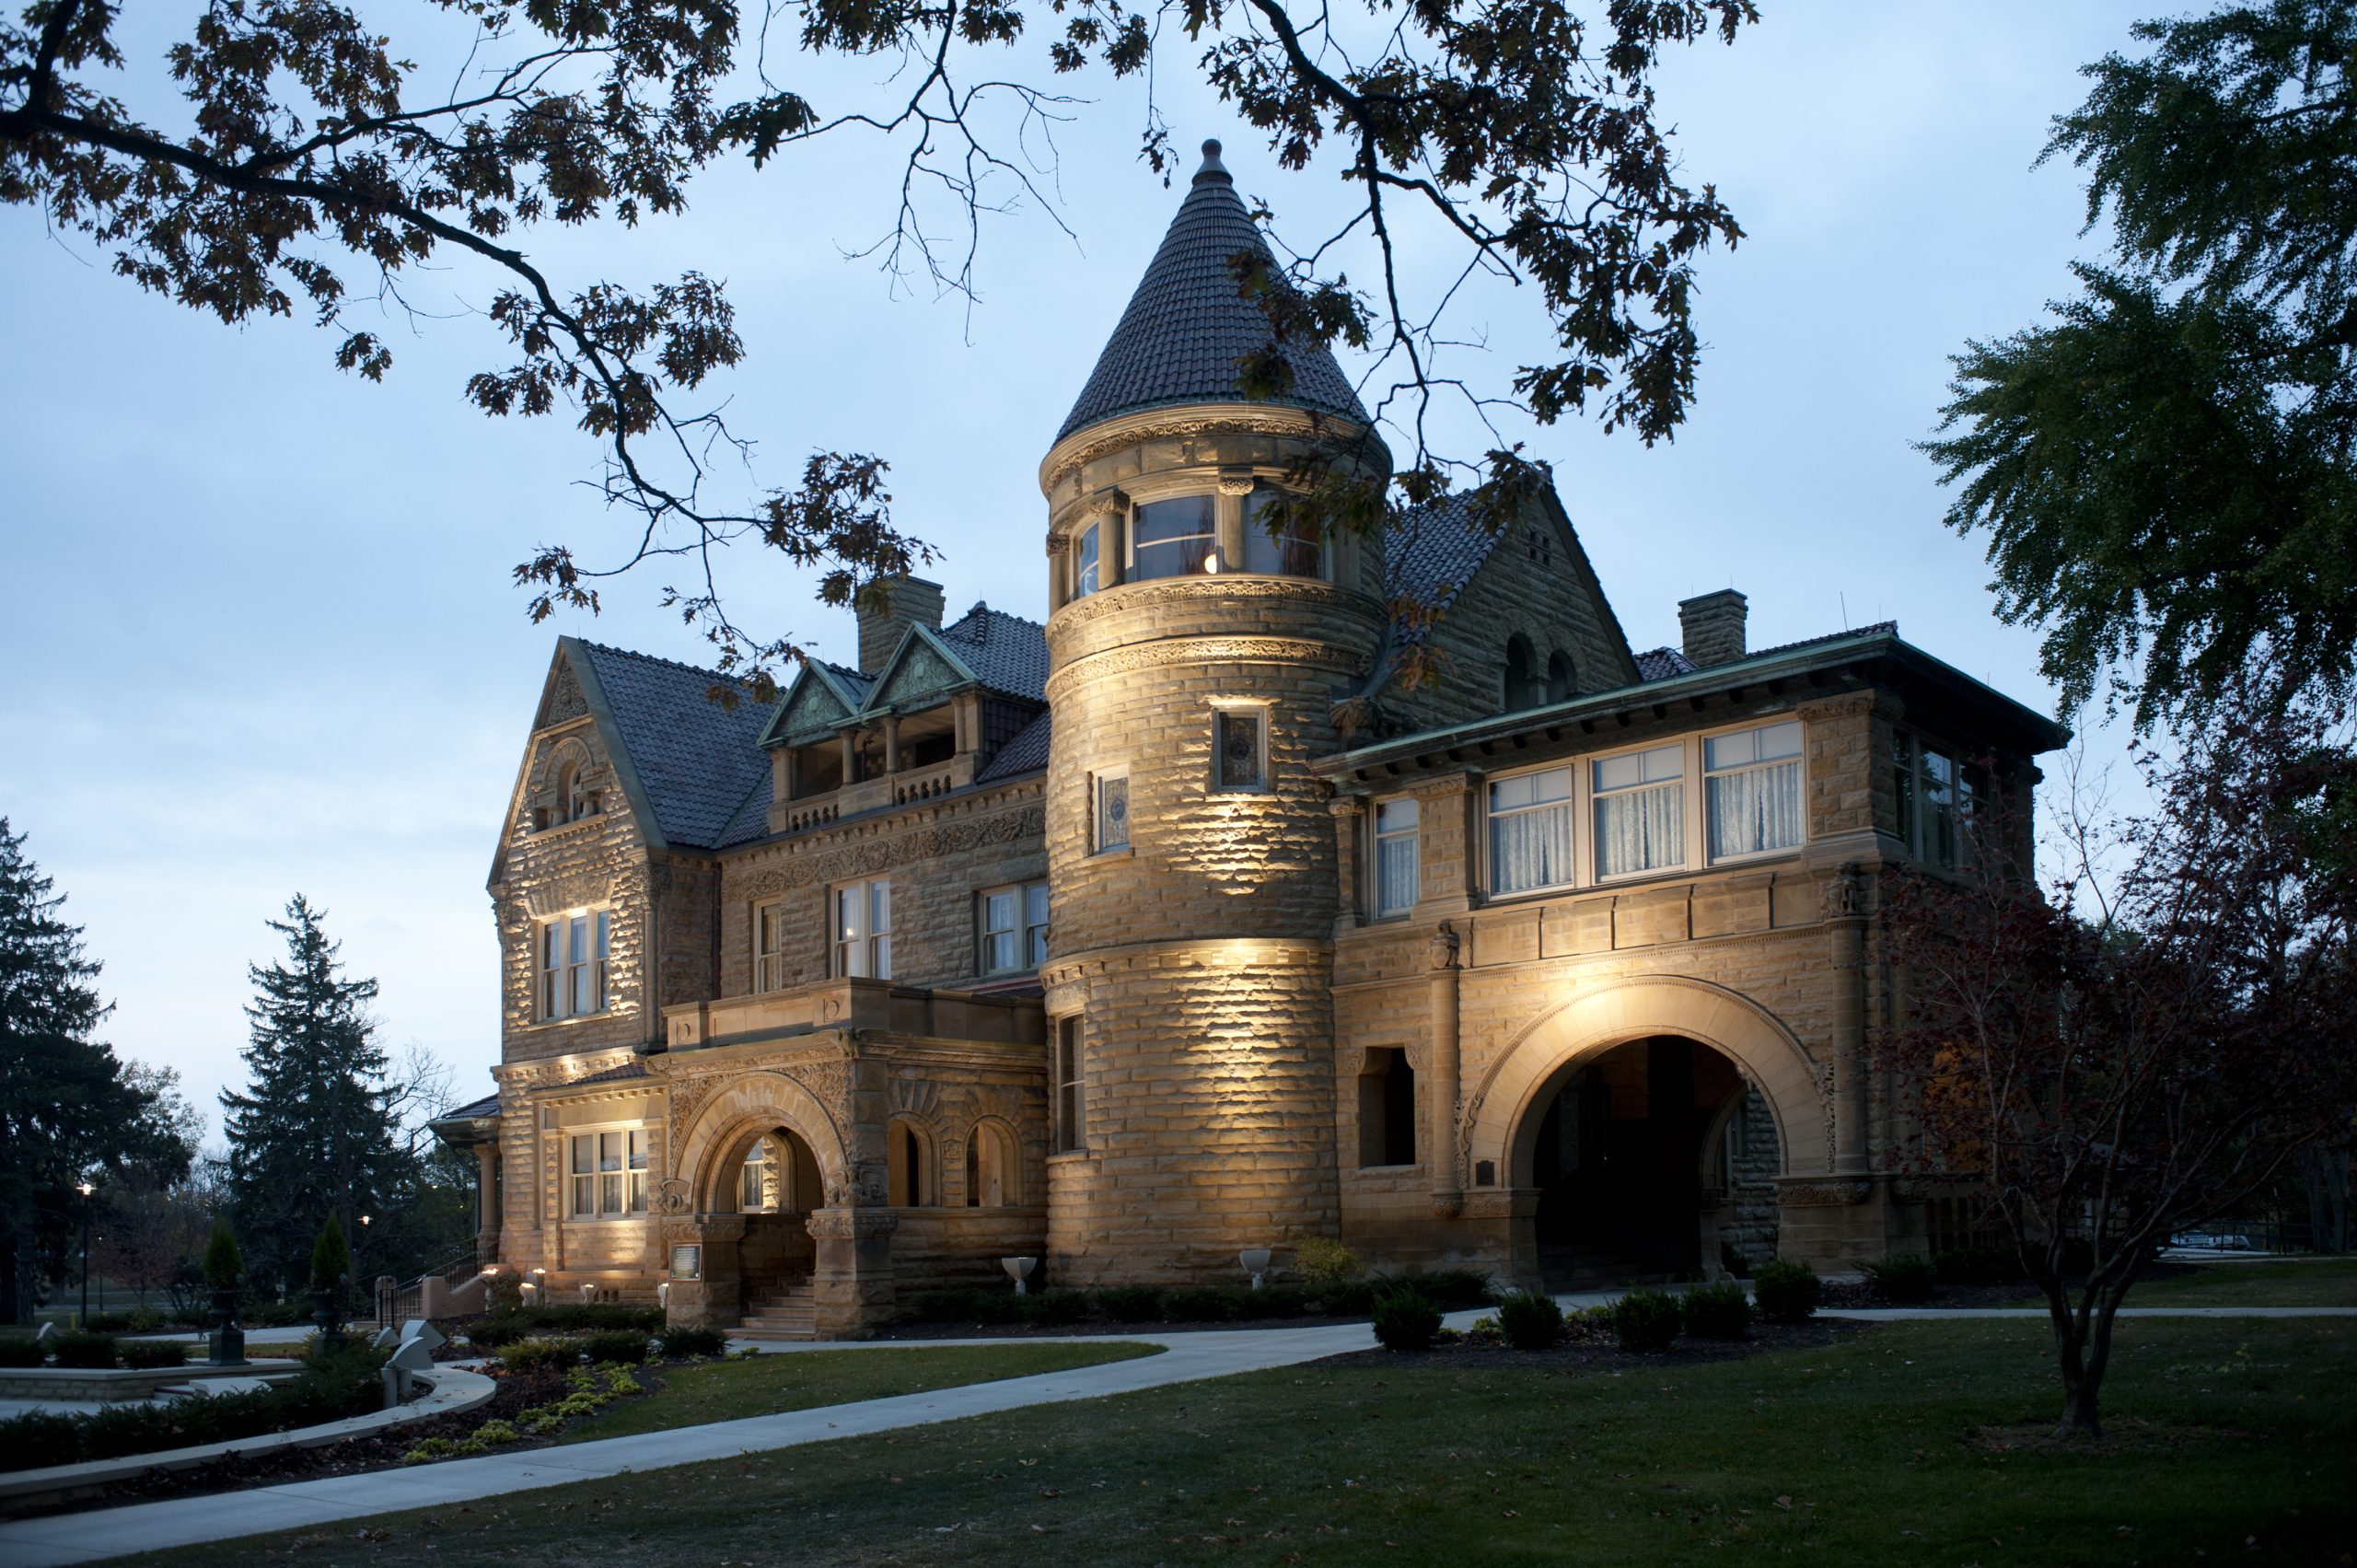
1186,1357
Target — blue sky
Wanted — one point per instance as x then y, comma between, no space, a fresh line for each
258,632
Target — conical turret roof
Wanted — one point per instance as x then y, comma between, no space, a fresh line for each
1187,327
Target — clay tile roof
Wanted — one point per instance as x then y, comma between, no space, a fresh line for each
1186,327
698,761
1006,652
1436,549
1660,664
1027,753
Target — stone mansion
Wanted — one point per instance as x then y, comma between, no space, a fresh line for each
1179,924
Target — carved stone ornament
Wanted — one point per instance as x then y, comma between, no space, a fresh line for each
1205,650
1236,481
1270,420
929,842
1227,587
1446,943
674,1197
829,1083
565,701
1823,1194
1839,893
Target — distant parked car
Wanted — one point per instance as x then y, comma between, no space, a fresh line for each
2205,1241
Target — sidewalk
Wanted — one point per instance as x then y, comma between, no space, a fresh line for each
1186,1357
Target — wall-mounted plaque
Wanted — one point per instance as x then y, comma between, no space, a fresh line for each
687,1262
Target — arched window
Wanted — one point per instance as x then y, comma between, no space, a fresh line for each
756,1187
908,1167
1518,674
1558,677
571,802
991,1169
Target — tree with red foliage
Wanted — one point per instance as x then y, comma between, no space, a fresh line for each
2139,1052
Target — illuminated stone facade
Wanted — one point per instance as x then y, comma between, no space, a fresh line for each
1180,923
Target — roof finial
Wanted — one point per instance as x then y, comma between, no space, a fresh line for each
1212,168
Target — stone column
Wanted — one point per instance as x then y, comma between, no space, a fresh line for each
1846,953
487,1201
891,743
852,1280
1448,1198
851,757
1350,816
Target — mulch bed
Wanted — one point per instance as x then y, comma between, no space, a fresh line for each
518,1391
1594,1349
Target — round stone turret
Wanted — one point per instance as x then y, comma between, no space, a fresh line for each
1195,660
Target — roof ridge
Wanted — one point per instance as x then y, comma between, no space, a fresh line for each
658,659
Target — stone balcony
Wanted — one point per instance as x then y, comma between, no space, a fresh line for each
906,787
875,1005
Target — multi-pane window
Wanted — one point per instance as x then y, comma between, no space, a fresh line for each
609,1173
1530,831
1111,808
1175,537
864,930
1640,810
1936,794
768,947
1086,569
573,950
1015,928
1295,550
1395,855
755,1191
1069,1134
1752,789
1239,748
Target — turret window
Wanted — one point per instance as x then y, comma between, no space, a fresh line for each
1111,808
1176,538
1295,550
1240,747
1085,571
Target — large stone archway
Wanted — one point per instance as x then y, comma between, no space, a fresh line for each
852,1280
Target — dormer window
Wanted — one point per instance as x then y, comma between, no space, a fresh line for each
1176,538
1295,550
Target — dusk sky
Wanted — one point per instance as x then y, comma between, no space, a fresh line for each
257,629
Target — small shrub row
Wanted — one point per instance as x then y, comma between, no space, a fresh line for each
138,1320
497,1329
1716,1312
1646,1320
91,1352
153,1355
680,1343
1786,1293
329,1388
1903,1277
1529,1319
1443,1288
1405,1321
21,1350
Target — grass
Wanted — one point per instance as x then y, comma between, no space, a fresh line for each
2306,1281
725,1390
2228,1440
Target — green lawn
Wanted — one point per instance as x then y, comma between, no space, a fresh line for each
724,1390
2235,1440
2306,1281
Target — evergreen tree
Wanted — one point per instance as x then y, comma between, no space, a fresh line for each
69,1109
314,1135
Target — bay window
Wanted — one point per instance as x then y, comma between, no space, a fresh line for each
1640,811
1530,831
573,953
1175,537
864,930
1086,569
1295,550
1752,790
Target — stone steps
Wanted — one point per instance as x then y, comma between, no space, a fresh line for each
788,1314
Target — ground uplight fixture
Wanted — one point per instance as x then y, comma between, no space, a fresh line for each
586,1288
1256,1263
84,1189
1019,1269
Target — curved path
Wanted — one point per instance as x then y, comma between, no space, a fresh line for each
1186,1357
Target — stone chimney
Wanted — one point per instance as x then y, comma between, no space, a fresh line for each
912,599
1712,627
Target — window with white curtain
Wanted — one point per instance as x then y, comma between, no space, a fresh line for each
864,930
1752,789
1530,831
609,1173
1640,811
1395,855
573,954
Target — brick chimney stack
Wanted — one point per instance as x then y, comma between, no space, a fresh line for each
1713,628
913,600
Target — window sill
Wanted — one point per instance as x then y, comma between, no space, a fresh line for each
1061,1155
569,1019
1124,853
608,1219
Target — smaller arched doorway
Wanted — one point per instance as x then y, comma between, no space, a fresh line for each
1653,1158
776,1186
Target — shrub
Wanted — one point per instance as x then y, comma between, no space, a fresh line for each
1529,1319
1055,1308
1984,1263
686,1341
223,1262
274,1315
1274,1301
149,1356
504,1294
1786,1293
331,1257
1717,1312
1405,1319
526,1354
1450,1287
1200,1304
21,1350
85,1350
498,1328
1353,1298
965,1304
1326,1263
1131,1304
1902,1277
1646,1320
109,1323
627,1347
144,1320
328,1388
496,1431
39,1439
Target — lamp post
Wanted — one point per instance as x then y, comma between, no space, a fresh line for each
86,1190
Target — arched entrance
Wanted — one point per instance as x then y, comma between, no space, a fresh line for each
778,1188
1644,1157
768,1190
1609,1119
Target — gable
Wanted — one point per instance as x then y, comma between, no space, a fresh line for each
561,696
920,672
811,708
